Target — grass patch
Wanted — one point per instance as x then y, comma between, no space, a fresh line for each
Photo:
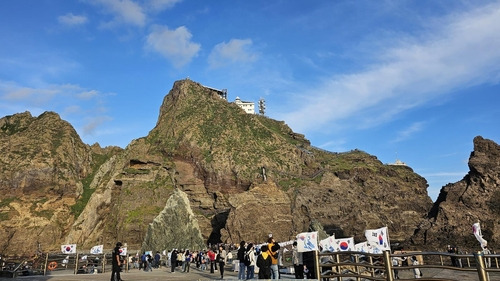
6,202
44,214
82,201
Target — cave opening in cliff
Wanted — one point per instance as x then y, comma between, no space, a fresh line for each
218,222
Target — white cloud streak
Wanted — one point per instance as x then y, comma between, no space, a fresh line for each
70,99
123,12
160,5
462,51
72,20
175,45
410,131
236,50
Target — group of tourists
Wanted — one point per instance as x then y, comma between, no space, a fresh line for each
249,255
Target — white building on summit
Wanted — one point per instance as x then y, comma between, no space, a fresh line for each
248,106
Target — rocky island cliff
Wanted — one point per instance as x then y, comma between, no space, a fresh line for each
208,173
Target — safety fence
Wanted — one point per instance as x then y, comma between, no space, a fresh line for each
364,266
49,263
352,266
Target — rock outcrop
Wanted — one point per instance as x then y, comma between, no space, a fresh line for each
45,170
475,198
175,225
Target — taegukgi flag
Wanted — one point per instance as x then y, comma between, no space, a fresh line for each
378,238
123,251
68,249
97,249
362,247
328,244
476,229
307,241
344,244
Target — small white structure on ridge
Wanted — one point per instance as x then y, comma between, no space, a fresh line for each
248,106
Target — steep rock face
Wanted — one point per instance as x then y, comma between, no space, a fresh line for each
475,198
245,176
175,225
253,215
367,196
43,166
131,189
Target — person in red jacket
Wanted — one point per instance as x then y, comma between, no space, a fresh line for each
211,256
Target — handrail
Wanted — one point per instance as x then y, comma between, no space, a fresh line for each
382,268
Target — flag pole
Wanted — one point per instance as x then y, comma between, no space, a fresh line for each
76,263
388,240
45,267
317,267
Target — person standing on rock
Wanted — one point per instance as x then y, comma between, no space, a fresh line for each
116,263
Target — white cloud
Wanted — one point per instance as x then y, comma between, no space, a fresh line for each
175,45
123,12
237,50
70,19
160,5
93,123
88,94
410,131
463,50
66,98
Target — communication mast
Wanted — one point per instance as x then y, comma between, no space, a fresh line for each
262,106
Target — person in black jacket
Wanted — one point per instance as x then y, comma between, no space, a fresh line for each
241,258
115,273
173,260
264,263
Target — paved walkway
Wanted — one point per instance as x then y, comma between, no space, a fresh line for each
194,274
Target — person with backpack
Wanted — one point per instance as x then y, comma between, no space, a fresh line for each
241,258
273,249
264,263
249,261
186,262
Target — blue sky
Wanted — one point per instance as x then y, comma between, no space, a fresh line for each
408,80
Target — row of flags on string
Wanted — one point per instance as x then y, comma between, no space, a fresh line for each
377,241
99,249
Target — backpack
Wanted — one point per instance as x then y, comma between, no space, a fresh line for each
246,259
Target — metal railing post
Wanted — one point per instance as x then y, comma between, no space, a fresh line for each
357,267
317,267
45,266
372,270
388,266
337,260
481,269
